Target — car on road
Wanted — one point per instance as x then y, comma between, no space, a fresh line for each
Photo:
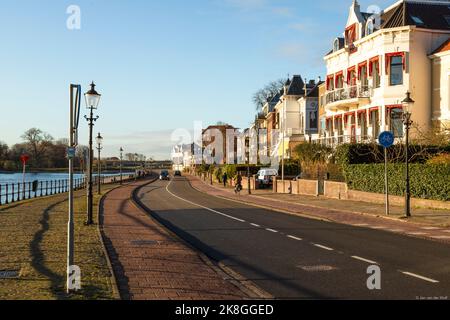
177,173
164,175
265,176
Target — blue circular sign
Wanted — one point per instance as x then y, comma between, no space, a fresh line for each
386,139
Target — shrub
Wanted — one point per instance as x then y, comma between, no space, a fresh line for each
443,158
428,181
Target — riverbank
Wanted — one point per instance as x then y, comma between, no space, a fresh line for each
33,250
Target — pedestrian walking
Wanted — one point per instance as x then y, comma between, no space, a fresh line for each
238,187
225,179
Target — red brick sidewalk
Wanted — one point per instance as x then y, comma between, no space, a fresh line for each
149,262
345,217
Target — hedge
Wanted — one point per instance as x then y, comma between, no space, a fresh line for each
427,181
361,153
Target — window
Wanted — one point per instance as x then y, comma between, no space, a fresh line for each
417,20
375,123
447,18
350,38
396,122
376,73
336,46
370,27
363,124
396,71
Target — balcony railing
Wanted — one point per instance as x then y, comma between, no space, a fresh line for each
348,92
333,141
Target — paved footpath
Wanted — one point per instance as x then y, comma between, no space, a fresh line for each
151,263
288,203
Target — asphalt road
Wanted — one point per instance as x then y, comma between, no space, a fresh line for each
293,257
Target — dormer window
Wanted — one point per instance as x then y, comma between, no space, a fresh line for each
350,38
370,27
336,45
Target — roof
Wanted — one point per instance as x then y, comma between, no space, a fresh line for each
315,90
422,14
296,86
444,47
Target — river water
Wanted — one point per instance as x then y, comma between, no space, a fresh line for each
42,176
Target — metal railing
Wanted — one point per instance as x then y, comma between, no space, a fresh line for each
18,191
333,141
348,92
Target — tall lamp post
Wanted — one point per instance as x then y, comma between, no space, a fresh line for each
99,140
92,98
407,104
121,159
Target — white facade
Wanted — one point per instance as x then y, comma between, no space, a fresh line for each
369,76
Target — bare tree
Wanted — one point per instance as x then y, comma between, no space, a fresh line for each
37,143
271,89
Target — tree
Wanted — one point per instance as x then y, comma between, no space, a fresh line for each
271,89
4,149
37,142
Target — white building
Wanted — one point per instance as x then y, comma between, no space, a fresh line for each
378,59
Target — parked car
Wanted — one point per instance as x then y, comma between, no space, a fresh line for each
265,176
164,175
177,173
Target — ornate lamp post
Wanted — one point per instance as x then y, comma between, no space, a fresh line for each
99,140
92,98
407,104
121,158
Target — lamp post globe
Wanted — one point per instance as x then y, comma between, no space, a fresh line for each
407,107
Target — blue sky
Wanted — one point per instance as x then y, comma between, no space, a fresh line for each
160,65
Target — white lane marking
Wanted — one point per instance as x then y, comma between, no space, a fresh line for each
417,233
364,259
255,225
271,230
361,224
395,230
295,238
431,228
203,207
323,247
419,277
378,227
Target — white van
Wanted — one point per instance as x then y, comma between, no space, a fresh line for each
265,176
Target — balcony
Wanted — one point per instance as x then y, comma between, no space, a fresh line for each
349,96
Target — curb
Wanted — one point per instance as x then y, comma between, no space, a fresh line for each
252,291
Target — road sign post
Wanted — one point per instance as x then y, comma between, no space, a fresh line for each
386,139
24,158
75,99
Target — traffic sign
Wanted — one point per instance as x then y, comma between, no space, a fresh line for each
71,152
24,158
386,139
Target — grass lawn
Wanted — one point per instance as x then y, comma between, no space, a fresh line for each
33,241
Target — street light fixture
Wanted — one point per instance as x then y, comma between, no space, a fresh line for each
99,140
92,98
121,158
407,104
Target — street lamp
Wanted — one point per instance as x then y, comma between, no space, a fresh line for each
407,104
121,158
99,140
92,98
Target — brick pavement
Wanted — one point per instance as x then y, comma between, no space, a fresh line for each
151,263
292,204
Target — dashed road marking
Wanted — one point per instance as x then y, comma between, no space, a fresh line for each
323,247
361,224
378,227
255,225
419,277
271,230
203,207
431,228
417,233
295,238
364,259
